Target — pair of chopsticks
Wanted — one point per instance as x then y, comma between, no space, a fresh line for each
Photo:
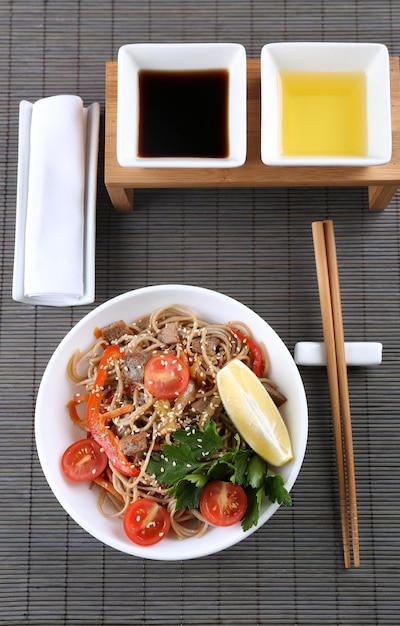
332,322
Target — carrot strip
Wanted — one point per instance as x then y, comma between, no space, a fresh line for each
126,408
73,413
107,486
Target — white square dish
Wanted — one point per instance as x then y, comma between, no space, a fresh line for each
328,60
170,61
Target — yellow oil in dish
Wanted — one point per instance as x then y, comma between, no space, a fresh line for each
324,113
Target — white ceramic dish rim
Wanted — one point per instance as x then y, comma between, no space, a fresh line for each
53,436
92,115
373,58
180,56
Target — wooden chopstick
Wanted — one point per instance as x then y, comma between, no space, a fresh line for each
331,361
343,383
331,312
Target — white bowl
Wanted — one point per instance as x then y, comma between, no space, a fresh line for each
135,58
54,433
370,59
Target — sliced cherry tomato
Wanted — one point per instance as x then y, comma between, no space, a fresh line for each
146,522
84,460
223,503
166,376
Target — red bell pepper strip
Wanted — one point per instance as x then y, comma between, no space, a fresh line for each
257,364
97,421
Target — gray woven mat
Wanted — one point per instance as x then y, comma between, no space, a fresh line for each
254,245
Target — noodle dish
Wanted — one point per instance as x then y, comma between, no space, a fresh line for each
179,422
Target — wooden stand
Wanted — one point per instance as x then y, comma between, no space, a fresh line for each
382,180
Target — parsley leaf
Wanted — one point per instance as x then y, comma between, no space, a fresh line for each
275,489
256,471
254,497
202,443
242,458
173,464
187,495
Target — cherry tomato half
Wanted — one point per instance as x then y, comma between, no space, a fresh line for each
223,503
166,376
84,460
146,522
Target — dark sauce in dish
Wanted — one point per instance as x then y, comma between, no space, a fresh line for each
183,113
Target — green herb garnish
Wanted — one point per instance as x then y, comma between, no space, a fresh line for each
198,456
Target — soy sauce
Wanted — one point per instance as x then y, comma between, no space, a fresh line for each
183,113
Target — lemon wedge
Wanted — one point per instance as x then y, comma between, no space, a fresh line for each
254,413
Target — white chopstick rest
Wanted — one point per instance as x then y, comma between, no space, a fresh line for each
54,233
356,352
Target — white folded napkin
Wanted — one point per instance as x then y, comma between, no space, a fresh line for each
54,236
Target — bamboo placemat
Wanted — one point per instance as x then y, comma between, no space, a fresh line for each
252,244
